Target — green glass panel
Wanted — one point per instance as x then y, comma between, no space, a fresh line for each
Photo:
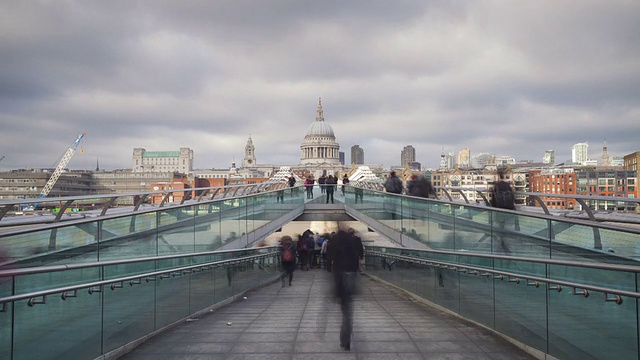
128,237
415,219
29,249
472,229
171,299
222,283
176,232
207,228
232,221
619,242
476,299
201,290
6,289
520,312
50,280
128,311
568,312
59,329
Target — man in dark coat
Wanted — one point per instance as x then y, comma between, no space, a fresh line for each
330,187
345,250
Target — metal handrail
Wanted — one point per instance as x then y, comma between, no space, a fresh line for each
546,216
591,265
552,284
54,268
135,211
98,284
7,205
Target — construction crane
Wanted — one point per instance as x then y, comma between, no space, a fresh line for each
61,165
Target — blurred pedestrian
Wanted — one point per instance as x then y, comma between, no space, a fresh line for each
502,197
330,187
345,252
393,184
287,258
345,181
420,186
308,185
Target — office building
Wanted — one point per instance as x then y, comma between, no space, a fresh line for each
357,155
554,181
162,161
549,158
464,158
579,154
407,155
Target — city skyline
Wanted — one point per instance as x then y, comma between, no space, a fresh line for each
433,75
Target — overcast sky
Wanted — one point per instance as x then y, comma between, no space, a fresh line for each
506,77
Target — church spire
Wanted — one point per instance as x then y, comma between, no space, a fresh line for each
319,115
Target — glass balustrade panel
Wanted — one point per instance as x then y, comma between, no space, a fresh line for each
128,237
128,312
233,222
207,227
176,232
59,329
580,325
520,312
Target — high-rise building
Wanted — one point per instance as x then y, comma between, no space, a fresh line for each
464,158
163,161
549,157
579,154
407,155
341,157
357,155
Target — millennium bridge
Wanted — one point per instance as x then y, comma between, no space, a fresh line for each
198,279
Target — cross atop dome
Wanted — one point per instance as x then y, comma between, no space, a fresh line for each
319,115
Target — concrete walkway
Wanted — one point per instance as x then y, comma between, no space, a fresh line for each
303,322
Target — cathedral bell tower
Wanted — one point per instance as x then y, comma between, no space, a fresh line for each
249,155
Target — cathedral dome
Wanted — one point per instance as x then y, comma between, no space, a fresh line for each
321,129
319,147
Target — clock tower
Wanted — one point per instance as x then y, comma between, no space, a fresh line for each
249,155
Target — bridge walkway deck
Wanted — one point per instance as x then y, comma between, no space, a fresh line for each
302,321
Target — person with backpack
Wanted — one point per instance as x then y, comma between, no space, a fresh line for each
287,258
291,182
502,197
393,184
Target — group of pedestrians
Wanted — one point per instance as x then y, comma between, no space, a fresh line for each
327,186
341,253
